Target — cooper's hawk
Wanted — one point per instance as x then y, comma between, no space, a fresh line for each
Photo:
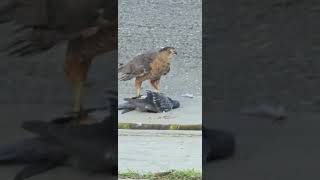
154,102
148,66
89,26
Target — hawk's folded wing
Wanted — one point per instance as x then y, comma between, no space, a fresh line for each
138,66
41,24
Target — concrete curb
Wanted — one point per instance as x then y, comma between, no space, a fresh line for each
196,127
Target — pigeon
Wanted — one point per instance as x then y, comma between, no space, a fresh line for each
89,147
154,102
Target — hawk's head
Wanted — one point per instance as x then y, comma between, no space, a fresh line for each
169,50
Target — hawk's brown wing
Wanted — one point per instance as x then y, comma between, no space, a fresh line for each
138,66
168,70
41,24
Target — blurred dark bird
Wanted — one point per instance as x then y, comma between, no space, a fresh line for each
217,144
154,102
89,27
148,66
92,148
277,114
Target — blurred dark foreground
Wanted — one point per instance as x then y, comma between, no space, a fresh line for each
263,53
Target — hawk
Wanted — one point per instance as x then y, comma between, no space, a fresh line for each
154,102
92,147
148,66
89,27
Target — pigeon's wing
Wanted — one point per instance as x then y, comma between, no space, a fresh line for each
35,169
46,129
38,127
160,101
93,146
126,107
27,150
41,153
139,66
126,110
85,141
144,105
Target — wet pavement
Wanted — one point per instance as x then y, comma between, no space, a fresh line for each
158,151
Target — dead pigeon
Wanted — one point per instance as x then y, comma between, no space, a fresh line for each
154,102
92,148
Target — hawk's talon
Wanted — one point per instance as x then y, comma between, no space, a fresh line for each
137,97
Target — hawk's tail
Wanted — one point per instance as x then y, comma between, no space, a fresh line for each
125,77
28,40
124,72
6,9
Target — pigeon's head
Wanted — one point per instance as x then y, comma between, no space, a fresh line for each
175,103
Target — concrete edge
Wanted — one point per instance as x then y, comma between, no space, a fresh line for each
195,127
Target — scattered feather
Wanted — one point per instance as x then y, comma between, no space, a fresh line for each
188,95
